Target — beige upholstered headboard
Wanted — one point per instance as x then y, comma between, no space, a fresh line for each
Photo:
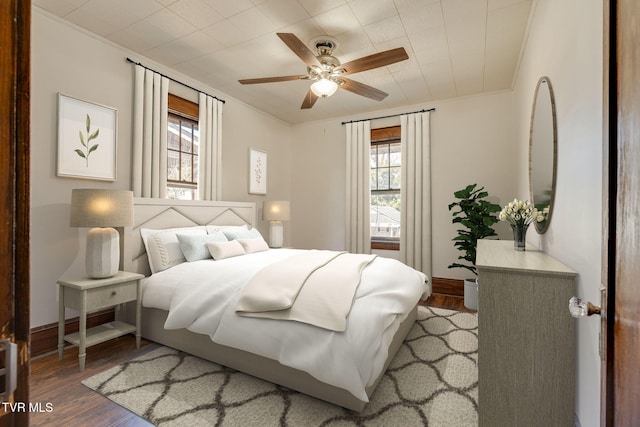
165,213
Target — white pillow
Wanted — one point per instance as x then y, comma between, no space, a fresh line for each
254,245
242,234
217,228
194,246
222,250
163,249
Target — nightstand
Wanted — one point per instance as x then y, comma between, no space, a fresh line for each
86,295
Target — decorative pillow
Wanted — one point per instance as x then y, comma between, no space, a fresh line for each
222,250
163,249
243,234
194,246
217,228
254,245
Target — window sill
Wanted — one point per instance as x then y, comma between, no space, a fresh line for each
385,245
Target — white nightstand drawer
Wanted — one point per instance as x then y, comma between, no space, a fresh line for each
111,295
101,297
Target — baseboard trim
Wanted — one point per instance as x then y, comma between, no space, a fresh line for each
44,339
440,285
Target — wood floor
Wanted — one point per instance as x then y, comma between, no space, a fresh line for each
56,384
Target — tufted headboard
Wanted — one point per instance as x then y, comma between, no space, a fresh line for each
166,213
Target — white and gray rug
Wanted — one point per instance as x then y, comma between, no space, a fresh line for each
433,381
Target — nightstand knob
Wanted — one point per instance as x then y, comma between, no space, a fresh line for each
113,294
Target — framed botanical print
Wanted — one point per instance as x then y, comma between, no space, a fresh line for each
87,139
257,171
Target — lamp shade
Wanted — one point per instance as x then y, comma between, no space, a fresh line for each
277,210
324,87
101,208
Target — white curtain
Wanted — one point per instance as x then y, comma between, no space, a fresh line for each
210,126
358,187
415,192
149,165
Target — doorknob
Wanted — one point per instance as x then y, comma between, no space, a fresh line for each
579,308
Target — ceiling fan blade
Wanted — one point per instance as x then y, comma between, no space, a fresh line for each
363,89
376,60
299,48
309,100
272,79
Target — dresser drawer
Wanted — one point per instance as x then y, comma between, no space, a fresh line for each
105,296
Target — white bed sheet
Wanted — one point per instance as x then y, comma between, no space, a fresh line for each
201,296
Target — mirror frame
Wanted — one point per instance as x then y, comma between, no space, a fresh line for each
542,227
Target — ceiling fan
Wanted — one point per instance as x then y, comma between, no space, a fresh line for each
326,71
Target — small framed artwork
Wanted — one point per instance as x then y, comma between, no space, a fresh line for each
87,134
257,171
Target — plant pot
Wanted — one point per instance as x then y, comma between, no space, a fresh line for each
471,294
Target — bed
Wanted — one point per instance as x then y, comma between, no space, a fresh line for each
160,214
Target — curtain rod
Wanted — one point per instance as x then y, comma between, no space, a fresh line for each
390,115
174,80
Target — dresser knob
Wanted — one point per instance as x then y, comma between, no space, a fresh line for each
113,294
579,308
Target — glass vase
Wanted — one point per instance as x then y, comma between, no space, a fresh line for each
519,236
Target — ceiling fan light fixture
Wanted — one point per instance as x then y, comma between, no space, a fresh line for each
324,88
326,71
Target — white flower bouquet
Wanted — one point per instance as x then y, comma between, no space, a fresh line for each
520,213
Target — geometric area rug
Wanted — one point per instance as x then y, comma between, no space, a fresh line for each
432,381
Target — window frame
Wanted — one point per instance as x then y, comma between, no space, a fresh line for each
184,110
381,136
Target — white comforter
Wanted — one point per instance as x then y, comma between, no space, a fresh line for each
201,296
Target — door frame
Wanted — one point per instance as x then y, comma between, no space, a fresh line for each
15,57
620,376
609,130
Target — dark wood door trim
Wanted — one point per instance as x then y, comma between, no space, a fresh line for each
620,375
609,185
15,18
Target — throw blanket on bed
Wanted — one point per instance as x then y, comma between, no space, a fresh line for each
315,287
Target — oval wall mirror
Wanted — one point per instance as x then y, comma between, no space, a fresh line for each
542,152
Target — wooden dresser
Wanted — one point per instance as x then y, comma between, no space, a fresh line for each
526,353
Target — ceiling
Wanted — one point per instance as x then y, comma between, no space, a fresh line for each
455,47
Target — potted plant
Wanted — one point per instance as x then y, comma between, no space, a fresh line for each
477,217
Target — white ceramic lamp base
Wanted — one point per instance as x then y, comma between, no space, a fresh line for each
102,258
276,234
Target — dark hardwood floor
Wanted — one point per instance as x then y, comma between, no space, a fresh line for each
56,384
450,302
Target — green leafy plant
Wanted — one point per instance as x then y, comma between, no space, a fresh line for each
477,216
88,148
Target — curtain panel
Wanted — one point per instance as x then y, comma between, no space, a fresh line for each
415,192
210,126
358,207
149,163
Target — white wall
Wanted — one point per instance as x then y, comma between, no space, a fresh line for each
69,60
472,142
565,44
479,139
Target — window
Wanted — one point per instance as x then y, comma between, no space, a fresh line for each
182,149
386,167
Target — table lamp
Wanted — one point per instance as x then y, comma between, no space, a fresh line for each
275,212
102,209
